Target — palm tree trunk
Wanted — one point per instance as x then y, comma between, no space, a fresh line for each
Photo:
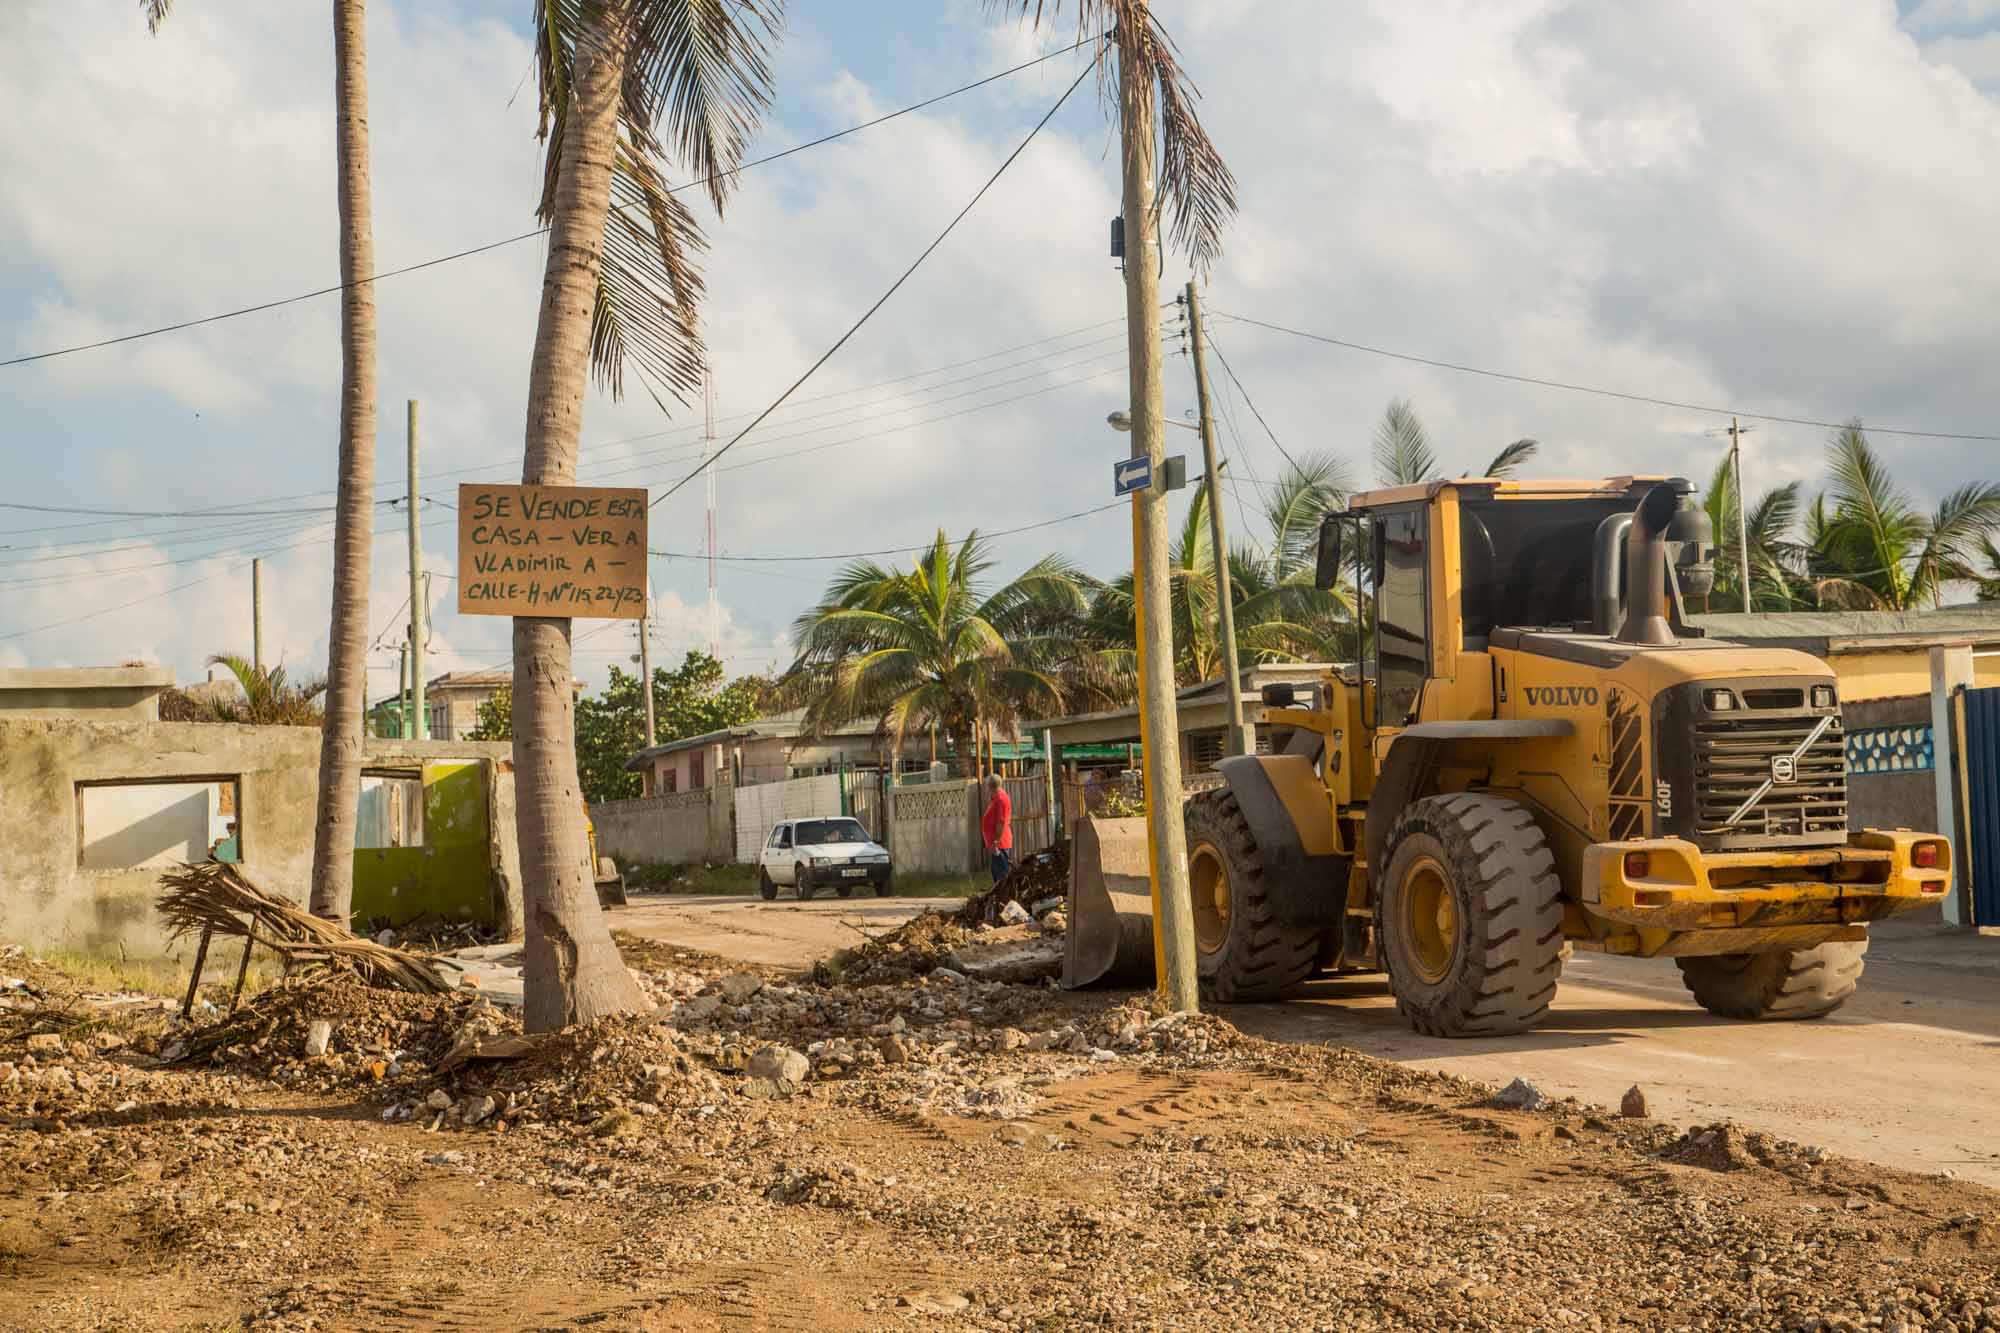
573,972
354,506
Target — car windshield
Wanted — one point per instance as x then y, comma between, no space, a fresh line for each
812,832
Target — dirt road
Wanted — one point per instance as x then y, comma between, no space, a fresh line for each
784,933
1907,1074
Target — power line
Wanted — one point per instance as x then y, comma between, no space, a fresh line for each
539,231
1677,404
1251,404
891,550
893,287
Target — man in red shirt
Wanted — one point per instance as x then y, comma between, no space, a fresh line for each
997,827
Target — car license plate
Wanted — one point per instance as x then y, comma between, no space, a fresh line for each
856,873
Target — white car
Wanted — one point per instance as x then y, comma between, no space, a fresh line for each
813,854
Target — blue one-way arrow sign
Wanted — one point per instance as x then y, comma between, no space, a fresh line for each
1131,474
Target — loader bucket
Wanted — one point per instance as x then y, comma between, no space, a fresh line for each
1110,935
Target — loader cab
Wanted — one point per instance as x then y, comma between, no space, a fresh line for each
1439,566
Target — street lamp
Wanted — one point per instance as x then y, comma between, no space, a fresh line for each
1121,421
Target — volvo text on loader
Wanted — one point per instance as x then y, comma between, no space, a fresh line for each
1539,754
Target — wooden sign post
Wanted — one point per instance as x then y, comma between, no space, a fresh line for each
576,552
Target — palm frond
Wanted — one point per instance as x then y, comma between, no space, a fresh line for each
156,12
1301,497
1515,454
1403,453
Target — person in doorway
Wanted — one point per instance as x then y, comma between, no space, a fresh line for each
227,848
997,828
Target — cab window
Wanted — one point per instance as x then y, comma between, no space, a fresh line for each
1402,619
781,836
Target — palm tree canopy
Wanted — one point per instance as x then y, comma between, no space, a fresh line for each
1199,189
696,80
1403,453
1511,457
932,644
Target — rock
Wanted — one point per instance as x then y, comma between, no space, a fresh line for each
947,974
761,1089
439,1100
615,1125
733,1058
740,986
1010,961
780,1064
1055,923
1100,1056
475,1109
893,1050
928,1302
1347,1210
451,1158
695,1010
1520,1095
385,937
318,1034
107,1040
1047,1041
1011,1039
1016,1135
1634,1105
44,1042
1013,914
1044,906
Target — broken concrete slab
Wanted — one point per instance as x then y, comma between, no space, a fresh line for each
1018,961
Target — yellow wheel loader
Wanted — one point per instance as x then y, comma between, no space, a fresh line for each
1538,754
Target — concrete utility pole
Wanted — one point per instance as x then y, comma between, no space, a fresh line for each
257,616
1173,908
1237,739
1742,529
646,668
421,723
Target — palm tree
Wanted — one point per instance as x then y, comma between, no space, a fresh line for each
1777,581
931,646
1404,456
269,698
1989,581
1873,549
332,890
619,288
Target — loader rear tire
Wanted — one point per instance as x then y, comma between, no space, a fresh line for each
1468,918
1787,984
1243,953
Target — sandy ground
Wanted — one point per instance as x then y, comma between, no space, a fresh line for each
784,933
1907,1074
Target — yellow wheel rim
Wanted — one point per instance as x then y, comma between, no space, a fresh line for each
1208,878
1430,919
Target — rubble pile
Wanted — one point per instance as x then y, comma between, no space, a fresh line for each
1038,883
914,948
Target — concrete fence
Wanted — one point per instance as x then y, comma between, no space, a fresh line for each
678,828
761,806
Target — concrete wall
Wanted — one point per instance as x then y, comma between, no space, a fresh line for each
1890,779
675,830
110,693
760,807
48,899
934,829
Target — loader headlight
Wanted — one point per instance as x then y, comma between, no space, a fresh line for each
1718,701
1823,696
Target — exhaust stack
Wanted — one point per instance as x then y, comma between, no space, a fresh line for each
1646,566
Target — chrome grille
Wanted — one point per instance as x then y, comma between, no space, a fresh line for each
1736,755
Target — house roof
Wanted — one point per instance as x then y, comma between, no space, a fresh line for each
776,726
1831,632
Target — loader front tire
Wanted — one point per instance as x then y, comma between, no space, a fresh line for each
1786,984
1468,918
1243,952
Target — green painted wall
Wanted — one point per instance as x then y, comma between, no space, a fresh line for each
451,875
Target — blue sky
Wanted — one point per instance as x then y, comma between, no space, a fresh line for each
1785,207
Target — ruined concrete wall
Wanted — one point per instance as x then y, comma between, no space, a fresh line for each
49,900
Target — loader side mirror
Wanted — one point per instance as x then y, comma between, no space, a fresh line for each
1280,694
1326,562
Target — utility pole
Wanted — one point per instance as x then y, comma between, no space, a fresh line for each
421,723
403,690
257,617
1742,530
1173,908
646,667
1237,739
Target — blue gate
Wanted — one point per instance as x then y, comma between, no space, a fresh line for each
1982,802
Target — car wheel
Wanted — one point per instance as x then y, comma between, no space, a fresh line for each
845,890
766,886
800,889
885,886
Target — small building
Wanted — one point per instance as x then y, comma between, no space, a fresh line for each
770,749
451,703
129,693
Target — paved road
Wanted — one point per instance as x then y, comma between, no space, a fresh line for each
1907,1073
784,933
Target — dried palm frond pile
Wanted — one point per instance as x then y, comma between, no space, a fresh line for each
215,896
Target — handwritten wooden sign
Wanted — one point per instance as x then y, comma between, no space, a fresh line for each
565,551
